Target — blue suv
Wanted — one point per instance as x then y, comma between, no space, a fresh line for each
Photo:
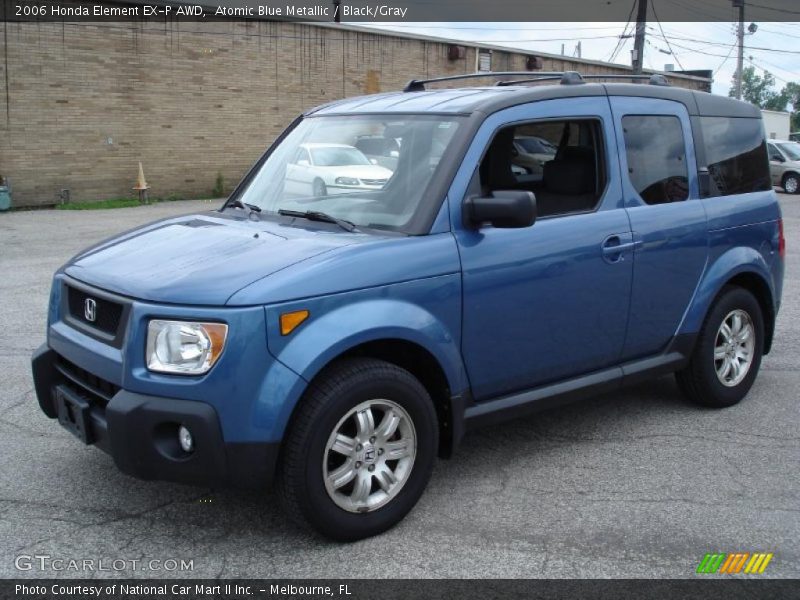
398,269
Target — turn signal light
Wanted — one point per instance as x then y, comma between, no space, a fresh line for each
290,321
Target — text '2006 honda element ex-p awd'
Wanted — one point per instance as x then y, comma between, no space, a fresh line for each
400,268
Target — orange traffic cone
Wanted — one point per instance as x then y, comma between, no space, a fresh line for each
141,185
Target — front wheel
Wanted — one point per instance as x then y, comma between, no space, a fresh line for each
791,183
726,360
359,451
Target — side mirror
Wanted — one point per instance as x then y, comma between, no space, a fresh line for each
303,163
505,209
777,158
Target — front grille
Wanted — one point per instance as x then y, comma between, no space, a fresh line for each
374,181
107,314
95,389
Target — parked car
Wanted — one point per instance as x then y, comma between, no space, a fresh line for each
531,152
320,170
795,136
337,346
784,164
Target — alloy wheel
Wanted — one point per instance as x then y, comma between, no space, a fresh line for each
365,464
734,348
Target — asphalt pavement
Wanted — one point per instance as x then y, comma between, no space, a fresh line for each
632,484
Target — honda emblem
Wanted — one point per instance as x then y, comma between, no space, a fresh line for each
90,309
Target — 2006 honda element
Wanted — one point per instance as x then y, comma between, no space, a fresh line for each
400,268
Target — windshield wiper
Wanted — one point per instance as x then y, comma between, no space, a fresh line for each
315,215
251,210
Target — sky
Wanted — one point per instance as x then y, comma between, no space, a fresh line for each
774,46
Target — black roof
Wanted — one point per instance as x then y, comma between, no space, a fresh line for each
493,98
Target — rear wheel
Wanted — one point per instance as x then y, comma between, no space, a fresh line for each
359,451
791,183
728,353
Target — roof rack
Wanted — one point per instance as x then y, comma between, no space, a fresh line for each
564,77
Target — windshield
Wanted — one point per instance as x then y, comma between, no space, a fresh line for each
791,150
370,170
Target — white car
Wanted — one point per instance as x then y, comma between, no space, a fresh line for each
327,169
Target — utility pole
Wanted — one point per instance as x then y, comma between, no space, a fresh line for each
740,38
638,43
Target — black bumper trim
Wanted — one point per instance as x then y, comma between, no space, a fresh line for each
140,432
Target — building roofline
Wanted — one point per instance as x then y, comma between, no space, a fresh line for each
425,38
443,40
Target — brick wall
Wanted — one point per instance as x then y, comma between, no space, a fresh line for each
81,104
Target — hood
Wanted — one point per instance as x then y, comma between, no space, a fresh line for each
360,171
199,259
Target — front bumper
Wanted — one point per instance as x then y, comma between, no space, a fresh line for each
140,431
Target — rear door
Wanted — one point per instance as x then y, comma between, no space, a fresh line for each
670,233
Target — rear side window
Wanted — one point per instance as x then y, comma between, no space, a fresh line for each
656,155
736,155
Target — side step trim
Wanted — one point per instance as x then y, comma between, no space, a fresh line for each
508,407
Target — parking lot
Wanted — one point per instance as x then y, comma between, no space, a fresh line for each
635,484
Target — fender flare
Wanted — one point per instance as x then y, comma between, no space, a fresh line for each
734,262
336,332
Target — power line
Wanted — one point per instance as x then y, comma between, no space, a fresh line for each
403,25
567,39
722,64
622,39
779,50
677,60
780,10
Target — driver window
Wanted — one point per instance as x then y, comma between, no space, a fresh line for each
656,155
560,161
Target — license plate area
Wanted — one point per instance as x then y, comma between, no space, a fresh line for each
73,413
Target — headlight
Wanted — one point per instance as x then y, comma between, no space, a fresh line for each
184,347
347,181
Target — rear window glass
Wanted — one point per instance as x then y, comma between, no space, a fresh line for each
656,156
736,155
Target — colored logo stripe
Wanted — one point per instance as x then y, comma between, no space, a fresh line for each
758,563
734,562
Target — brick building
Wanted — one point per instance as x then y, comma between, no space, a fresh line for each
82,103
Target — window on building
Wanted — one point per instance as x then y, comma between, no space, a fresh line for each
736,155
561,162
656,155
484,60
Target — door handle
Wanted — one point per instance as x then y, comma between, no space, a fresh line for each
613,247
617,248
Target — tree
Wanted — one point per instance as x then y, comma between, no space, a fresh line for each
792,91
760,91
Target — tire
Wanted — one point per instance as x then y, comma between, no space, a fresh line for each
319,189
311,497
702,380
791,183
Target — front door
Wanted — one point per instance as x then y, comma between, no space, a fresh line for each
776,160
547,302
